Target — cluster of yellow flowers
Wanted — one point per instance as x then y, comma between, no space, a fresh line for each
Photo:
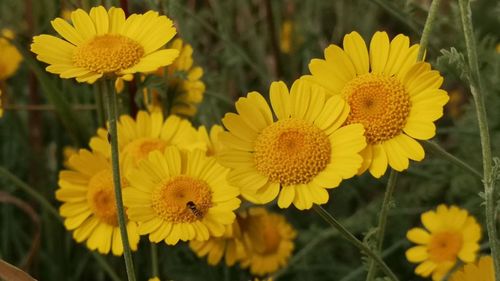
362,108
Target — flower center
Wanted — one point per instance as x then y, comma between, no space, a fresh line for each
182,199
380,103
139,149
108,53
292,151
101,197
263,232
444,246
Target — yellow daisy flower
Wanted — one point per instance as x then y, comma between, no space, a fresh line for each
394,96
105,43
10,58
268,239
180,196
299,155
89,207
154,279
449,234
480,271
148,132
184,83
214,146
229,245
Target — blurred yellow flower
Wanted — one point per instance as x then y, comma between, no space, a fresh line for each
154,279
1,106
10,58
449,234
297,157
214,146
68,152
286,37
180,196
395,97
498,48
268,238
184,81
104,43
229,246
480,271
89,208
148,132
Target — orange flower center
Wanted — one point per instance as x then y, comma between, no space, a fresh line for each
101,197
444,246
182,199
292,151
109,53
139,149
380,103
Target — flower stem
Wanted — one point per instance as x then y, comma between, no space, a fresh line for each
4,173
382,222
429,23
110,99
437,149
478,95
358,244
154,260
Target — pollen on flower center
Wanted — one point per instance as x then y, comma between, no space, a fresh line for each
292,151
101,197
381,103
108,53
182,199
444,246
140,148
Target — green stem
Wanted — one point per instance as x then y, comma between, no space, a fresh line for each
478,95
429,23
98,103
110,99
154,260
4,173
382,222
358,244
437,149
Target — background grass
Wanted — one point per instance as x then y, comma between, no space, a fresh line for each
233,41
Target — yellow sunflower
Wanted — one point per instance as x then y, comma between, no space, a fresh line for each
214,146
268,238
89,206
105,43
10,58
229,245
480,271
299,155
148,132
394,96
449,234
180,196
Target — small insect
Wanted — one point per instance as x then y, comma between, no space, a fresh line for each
192,207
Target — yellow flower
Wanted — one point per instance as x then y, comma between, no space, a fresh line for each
480,271
230,246
396,98
154,279
105,43
10,58
214,146
184,81
297,157
148,132
89,206
449,234
498,48
268,239
68,152
286,37
180,196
